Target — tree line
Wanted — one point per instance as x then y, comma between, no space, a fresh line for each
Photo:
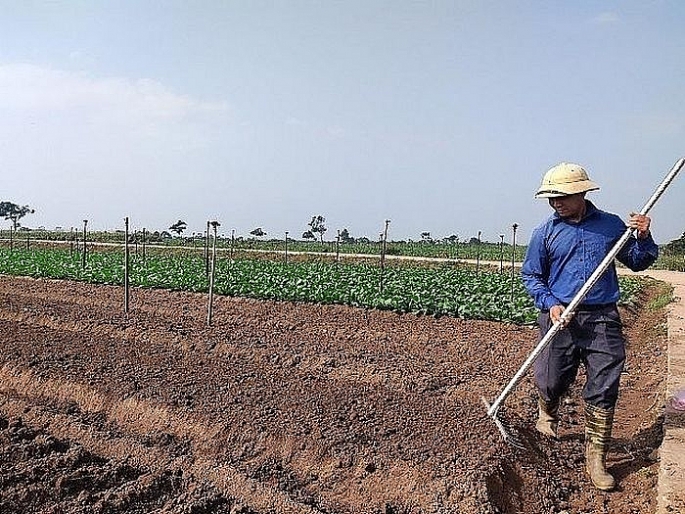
317,228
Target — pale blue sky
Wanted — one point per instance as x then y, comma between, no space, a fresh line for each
440,116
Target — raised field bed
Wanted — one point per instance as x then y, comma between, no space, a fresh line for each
287,407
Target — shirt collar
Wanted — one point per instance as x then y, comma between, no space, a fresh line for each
590,210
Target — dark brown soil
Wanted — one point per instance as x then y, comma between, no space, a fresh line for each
282,407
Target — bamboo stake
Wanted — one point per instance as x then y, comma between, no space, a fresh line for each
214,224
126,265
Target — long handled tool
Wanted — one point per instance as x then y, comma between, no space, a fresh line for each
568,313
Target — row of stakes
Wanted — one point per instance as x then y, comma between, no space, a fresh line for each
211,263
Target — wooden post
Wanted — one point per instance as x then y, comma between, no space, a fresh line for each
215,224
286,247
207,249
337,247
513,258
384,243
126,264
85,224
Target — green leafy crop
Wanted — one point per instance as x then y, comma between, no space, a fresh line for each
437,291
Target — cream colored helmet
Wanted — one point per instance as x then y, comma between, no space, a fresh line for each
565,179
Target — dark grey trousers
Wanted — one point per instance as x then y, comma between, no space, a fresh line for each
593,337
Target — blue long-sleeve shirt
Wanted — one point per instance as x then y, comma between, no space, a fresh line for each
562,255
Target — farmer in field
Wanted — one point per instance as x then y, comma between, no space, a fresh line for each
563,252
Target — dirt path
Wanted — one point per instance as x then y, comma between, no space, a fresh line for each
283,407
671,491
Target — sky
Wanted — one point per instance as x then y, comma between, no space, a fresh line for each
439,116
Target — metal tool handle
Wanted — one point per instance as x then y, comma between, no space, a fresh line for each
569,311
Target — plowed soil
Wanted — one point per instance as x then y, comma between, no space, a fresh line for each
293,408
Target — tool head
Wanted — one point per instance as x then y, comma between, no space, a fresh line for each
509,435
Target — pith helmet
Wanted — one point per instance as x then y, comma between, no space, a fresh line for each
565,179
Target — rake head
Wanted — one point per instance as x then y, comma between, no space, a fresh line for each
510,435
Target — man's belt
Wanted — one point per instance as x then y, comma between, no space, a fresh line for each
591,307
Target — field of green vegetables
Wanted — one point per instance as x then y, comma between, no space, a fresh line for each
442,290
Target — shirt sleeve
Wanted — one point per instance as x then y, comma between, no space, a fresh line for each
639,254
535,272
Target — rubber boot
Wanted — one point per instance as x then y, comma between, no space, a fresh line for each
598,424
548,417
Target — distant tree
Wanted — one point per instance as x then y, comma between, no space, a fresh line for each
317,226
308,235
178,227
14,212
426,237
677,245
345,237
452,239
258,232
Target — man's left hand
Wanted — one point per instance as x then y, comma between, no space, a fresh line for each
640,223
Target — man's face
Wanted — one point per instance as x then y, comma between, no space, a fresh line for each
571,207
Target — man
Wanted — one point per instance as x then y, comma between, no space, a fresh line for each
563,252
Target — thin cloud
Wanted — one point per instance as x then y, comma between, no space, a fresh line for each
294,122
606,18
33,88
661,125
335,131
